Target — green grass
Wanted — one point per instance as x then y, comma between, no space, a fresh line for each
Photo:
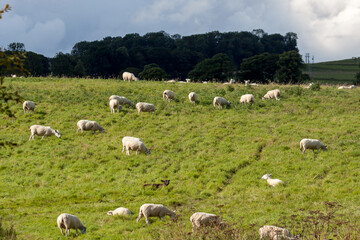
214,159
334,72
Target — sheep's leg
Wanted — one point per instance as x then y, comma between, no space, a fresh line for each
147,220
127,151
61,230
30,137
42,137
76,232
136,152
140,216
67,231
123,148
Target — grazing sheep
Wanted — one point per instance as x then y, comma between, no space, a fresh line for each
67,221
168,95
157,185
347,87
43,131
220,101
193,97
87,125
275,233
135,144
127,76
309,86
272,94
122,100
311,144
145,107
114,105
171,81
119,211
28,106
154,210
247,98
272,182
247,83
201,219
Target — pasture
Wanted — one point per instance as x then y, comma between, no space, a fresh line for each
213,158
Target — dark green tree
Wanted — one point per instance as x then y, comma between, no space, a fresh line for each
16,47
290,65
37,64
153,72
357,77
260,68
79,69
63,65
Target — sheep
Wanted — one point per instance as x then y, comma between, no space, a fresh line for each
220,101
67,221
188,80
157,185
231,81
43,131
127,76
272,94
145,107
275,233
87,125
192,97
119,211
154,210
311,144
168,95
122,100
309,86
135,144
247,98
347,87
272,182
28,106
171,81
201,219
114,105
247,83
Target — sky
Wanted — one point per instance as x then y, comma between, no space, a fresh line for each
327,29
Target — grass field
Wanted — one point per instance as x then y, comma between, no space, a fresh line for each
334,72
214,159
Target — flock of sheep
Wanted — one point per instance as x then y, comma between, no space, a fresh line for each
199,219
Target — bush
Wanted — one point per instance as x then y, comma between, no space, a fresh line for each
315,87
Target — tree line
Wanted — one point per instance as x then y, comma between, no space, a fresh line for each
213,56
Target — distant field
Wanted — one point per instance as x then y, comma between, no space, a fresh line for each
214,159
335,72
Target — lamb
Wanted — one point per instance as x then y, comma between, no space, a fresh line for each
272,182
154,210
192,97
67,221
201,219
272,94
120,211
168,95
247,98
86,125
220,101
28,106
122,100
114,104
157,185
347,87
275,233
135,144
145,107
43,131
311,144
127,76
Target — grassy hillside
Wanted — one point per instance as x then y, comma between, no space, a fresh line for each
214,159
342,71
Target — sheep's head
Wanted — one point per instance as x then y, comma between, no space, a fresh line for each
110,213
83,230
102,130
148,151
266,176
324,147
57,133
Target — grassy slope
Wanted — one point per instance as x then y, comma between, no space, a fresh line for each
342,71
212,157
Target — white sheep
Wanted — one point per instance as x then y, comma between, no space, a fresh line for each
67,221
171,81
114,104
127,76
28,106
247,98
122,100
309,86
201,219
193,97
135,144
86,125
220,101
272,94
347,87
119,211
43,131
145,107
270,181
188,80
168,95
311,144
154,210
247,83
275,233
